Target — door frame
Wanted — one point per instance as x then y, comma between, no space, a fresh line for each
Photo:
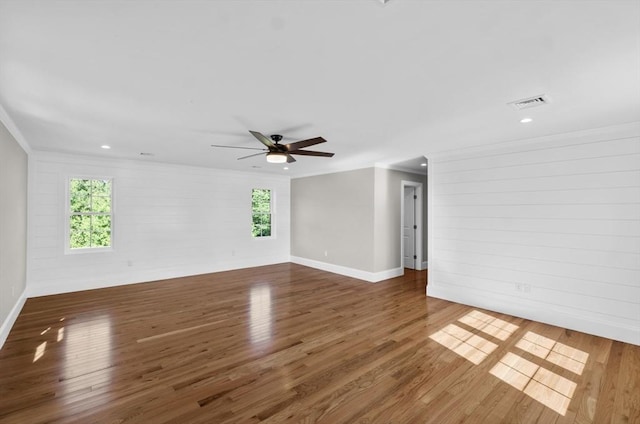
419,223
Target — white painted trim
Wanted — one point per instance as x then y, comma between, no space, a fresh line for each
5,329
371,277
550,315
425,264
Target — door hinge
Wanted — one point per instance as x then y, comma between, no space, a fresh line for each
415,227
415,197
415,257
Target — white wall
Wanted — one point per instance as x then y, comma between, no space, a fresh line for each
169,221
13,230
558,217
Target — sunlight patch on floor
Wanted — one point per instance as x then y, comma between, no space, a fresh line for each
557,353
260,314
488,324
548,388
42,347
541,384
466,344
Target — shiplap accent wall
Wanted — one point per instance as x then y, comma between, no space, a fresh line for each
547,230
169,221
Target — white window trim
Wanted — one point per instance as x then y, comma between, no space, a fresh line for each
67,216
272,210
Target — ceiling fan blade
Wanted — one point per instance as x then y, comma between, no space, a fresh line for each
311,153
290,158
304,143
238,147
250,156
264,140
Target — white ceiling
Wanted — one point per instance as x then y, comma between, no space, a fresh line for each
382,83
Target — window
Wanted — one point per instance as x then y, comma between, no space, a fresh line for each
261,212
90,213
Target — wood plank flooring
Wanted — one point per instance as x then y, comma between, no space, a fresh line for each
286,343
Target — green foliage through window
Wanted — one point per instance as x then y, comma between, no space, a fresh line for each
89,213
261,212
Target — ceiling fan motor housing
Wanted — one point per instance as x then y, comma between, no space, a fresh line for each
280,153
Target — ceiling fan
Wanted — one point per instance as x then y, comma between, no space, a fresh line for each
281,153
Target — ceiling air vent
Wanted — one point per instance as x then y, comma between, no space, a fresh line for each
530,102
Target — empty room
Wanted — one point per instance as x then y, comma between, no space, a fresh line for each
320,211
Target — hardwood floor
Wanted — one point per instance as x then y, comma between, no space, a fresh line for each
286,343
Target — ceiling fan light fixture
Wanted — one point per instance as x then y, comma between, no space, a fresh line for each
275,157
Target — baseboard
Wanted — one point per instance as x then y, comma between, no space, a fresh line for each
5,329
145,276
371,277
556,317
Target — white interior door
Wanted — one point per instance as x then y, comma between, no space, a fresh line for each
409,228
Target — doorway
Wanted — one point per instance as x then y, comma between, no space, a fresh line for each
409,228
411,225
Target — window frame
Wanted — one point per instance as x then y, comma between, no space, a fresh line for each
272,213
68,250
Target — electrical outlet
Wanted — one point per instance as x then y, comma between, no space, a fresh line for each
326,253
518,287
527,288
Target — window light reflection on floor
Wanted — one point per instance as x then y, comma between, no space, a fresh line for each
87,349
466,344
42,347
548,388
260,314
557,353
474,347
488,324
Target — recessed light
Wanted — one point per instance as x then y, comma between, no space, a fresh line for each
423,164
525,120
104,146
285,168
